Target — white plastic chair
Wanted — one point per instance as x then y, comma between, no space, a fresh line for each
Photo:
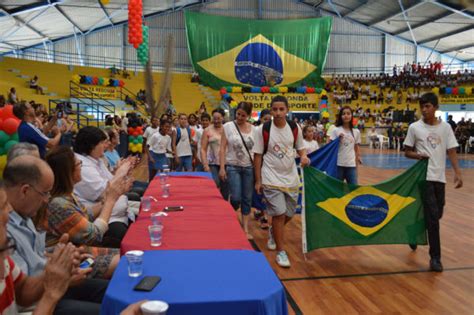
383,140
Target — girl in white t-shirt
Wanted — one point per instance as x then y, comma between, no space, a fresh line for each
309,142
348,156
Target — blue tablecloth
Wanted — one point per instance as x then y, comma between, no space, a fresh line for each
200,174
207,282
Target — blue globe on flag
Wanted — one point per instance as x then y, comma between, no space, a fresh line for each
258,64
367,210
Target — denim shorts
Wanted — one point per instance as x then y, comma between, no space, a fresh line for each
185,164
160,160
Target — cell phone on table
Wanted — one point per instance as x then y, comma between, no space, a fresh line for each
147,283
177,208
86,263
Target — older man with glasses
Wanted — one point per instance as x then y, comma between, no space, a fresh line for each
18,289
28,182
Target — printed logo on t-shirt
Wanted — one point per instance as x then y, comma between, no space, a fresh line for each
434,140
239,149
347,140
280,152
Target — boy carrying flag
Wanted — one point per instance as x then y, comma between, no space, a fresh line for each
276,175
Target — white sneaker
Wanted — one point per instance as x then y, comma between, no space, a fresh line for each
271,245
282,259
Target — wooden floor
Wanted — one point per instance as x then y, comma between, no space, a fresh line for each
388,279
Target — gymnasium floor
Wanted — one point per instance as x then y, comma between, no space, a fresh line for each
384,278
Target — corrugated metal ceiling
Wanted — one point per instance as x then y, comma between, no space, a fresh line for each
446,25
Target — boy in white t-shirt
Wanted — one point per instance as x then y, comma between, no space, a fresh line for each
275,172
182,142
429,138
160,144
155,125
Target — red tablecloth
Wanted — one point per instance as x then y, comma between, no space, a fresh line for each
207,222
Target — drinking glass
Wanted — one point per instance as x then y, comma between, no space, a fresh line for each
135,263
146,203
156,233
166,191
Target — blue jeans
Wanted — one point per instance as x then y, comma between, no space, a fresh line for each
347,173
222,185
185,163
160,160
240,181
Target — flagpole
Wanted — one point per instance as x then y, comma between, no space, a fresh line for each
303,216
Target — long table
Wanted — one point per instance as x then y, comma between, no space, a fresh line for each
207,222
204,282
206,264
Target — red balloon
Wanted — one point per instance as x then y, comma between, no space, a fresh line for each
139,129
130,130
10,125
121,83
1,123
8,112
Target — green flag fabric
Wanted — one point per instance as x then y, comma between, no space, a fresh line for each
338,214
232,51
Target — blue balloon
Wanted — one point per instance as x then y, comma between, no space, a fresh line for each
449,90
301,89
225,96
255,90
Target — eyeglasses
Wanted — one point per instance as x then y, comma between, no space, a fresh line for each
45,195
10,248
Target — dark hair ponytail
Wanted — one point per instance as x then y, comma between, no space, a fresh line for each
246,107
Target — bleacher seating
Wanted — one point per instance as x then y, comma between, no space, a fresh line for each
186,96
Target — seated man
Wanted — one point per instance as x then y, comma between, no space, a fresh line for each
125,74
28,182
27,131
114,71
373,138
34,85
18,289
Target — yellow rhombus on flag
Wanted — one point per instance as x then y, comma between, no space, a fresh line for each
337,207
222,65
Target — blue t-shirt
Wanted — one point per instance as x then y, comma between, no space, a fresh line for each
112,157
29,133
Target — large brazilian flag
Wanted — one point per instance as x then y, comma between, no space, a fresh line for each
337,214
233,51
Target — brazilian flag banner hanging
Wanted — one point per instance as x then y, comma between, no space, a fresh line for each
338,214
233,51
